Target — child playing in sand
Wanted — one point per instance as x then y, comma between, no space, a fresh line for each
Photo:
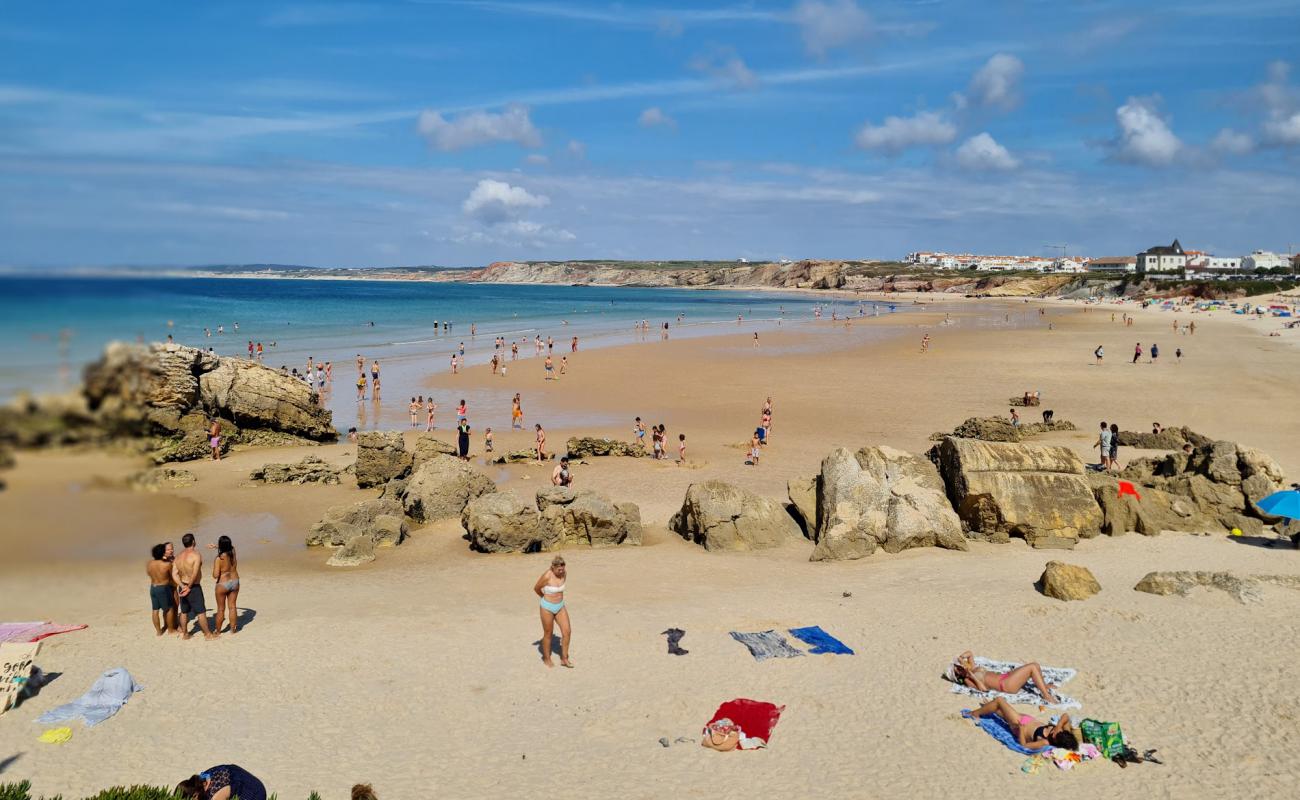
681,448
754,447
487,440
638,431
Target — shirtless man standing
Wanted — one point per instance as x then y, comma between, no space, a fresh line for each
161,597
187,572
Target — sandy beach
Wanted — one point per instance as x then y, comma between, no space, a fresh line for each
419,672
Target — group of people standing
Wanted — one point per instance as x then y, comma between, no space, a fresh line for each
176,588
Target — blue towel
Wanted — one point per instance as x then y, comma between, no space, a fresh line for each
766,644
821,641
997,727
108,694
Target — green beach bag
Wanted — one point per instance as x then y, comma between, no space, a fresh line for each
1106,736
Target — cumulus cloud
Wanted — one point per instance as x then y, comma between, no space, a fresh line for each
1144,135
828,24
1232,142
728,67
982,153
479,128
654,117
494,202
995,85
897,134
1283,130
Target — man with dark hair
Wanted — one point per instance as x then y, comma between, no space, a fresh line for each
188,572
161,599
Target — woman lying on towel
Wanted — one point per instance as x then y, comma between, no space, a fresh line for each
1028,731
965,672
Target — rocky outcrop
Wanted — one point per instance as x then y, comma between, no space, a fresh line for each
1157,510
997,429
441,488
884,498
428,446
359,550
312,469
501,522
583,517
1244,588
254,396
1036,492
515,457
1067,582
587,446
1167,439
381,520
159,478
803,497
721,516
381,456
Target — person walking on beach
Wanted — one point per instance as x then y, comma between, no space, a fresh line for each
550,368
1178,355
462,410
1099,354
1137,352
564,365
561,476
374,380
925,343
1015,418
681,448
755,447
1155,352
550,591
1114,447
462,438
638,432
429,408
225,572
187,573
765,421
361,364
453,363
574,345
361,386
214,438
162,598
514,351
1103,443
540,443
516,413
414,410
487,440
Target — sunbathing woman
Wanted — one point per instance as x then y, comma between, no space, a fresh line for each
1028,731
965,672
550,590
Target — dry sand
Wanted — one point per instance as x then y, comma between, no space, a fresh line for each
419,673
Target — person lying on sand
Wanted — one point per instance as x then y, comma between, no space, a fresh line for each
965,672
1028,731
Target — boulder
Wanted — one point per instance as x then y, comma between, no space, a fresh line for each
441,487
1253,462
381,456
130,381
359,550
988,429
722,516
312,469
427,446
1037,492
1167,439
584,517
515,457
803,496
1157,510
881,497
255,396
1221,463
1211,498
1244,588
393,489
1067,582
587,446
192,446
500,522
159,478
381,520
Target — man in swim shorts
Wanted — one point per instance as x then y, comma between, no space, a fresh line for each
162,598
187,572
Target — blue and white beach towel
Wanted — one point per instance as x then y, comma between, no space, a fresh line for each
1026,696
105,698
766,644
997,727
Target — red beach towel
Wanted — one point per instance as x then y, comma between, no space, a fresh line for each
32,631
1127,488
755,718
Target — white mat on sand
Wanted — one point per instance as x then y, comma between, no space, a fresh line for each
1027,695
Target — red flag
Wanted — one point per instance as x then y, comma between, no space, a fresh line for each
1127,488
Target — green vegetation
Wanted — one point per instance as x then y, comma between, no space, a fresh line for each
23,791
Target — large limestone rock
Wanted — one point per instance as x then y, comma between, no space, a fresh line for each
381,456
1156,511
441,488
1245,588
312,469
1067,582
988,429
1167,439
881,497
584,517
1221,463
722,516
131,387
803,496
586,446
255,396
359,550
381,520
427,446
159,478
501,522
1037,492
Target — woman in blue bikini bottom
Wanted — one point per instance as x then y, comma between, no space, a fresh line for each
550,594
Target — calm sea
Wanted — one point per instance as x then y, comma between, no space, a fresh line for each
51,327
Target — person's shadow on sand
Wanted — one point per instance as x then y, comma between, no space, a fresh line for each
6,763
556,643
246,616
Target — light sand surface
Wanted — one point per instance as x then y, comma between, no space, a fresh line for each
419,673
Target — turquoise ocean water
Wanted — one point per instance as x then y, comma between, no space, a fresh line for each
51,327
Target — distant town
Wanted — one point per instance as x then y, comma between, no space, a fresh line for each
1171,261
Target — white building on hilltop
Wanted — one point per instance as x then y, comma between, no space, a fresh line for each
1263,259
1162,258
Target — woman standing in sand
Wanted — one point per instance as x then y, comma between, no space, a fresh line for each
550,592
214,439
225,571
462,438
429,408
414,409
541,444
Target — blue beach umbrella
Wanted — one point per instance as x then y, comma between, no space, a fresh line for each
1282,504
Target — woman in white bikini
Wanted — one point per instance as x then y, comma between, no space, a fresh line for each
550,592
225,571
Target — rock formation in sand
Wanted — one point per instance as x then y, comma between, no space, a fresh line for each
441,488
381,520
1067,581
311,469
721,516
584,517
587,446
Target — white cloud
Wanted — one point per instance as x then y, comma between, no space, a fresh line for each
537,158
1232,142
996,84
828,24
479,128
654,117
1145,137
494,202
1283,130
576,149
897,134
535,231
982,153
728,67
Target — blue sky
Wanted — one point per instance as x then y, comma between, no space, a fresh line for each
459,133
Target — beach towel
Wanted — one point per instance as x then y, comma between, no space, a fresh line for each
766,644
1026,696
17,665
32,631
755,719
997,727
674,641
821,641
105,698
